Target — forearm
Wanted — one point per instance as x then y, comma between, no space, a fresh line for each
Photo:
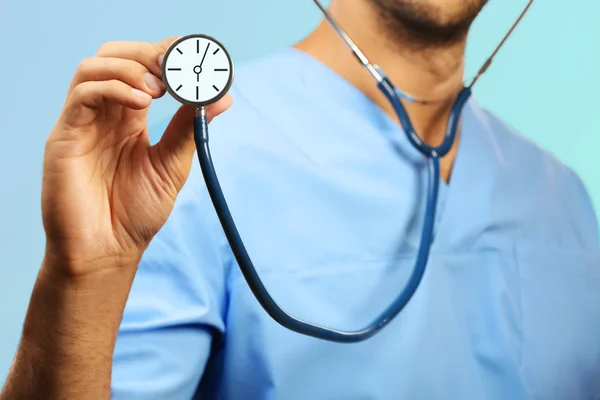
69,335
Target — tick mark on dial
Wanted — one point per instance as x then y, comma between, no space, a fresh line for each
173,69
178,87
216,88
197,92
220,69
216,51
179,51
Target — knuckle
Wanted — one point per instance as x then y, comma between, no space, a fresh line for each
164,44
131,77
85,65
133,68
143,52
114,85
107,48
150,50
79,90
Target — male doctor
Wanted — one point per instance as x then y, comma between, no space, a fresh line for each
139,296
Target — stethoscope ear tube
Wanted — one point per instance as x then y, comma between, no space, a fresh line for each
257,287
390,92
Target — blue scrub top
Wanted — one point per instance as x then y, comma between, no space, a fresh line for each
328,196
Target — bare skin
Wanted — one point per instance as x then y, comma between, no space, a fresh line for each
106,192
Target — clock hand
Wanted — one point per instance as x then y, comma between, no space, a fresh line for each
205,51
197,71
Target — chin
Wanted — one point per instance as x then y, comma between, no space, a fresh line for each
435,21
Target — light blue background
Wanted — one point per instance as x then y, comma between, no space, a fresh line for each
545,83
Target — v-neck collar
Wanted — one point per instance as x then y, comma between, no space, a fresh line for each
466,204
471,171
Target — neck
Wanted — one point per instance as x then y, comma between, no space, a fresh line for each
425,72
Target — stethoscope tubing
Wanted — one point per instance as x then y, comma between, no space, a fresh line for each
432,154
247,268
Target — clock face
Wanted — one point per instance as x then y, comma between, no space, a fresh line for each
197,70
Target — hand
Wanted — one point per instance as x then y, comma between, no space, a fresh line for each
106,192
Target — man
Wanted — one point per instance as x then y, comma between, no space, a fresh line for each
328,196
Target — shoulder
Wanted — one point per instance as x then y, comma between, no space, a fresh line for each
542,183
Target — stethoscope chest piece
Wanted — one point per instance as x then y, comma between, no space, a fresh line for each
197,70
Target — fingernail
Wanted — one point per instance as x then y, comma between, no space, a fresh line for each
139,93
153,82
160,60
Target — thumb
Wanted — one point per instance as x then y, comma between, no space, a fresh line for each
175,150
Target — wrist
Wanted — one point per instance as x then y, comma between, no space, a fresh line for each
92,302
71,327
98,273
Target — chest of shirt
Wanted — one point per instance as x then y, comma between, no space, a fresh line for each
494,318
333,230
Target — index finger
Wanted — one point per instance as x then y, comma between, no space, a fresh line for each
145,53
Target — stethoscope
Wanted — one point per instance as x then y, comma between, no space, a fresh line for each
198,70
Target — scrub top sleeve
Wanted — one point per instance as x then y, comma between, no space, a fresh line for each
581,212
177,303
